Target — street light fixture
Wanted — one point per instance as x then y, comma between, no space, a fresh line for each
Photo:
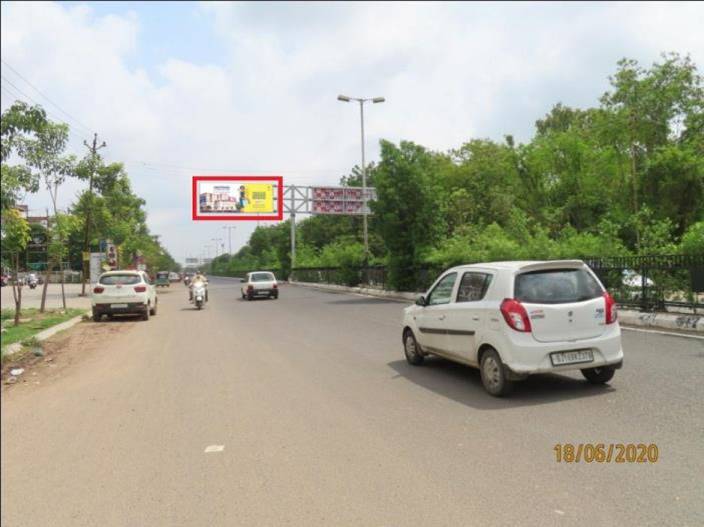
361,101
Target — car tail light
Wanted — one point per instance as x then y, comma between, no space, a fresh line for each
140,288
98,289
611,310
276,286
515,315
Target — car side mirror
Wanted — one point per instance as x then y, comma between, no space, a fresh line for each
420,301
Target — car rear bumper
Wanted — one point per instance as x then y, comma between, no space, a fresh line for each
131,307
263,292
523,355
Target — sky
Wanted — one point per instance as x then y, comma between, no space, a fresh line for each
178,89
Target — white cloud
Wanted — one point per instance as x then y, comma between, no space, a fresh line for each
449,72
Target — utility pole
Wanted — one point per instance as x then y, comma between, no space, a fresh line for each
86,235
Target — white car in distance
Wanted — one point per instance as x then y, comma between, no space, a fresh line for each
124,293
259,284
514,319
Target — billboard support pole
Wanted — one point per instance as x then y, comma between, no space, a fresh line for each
293,232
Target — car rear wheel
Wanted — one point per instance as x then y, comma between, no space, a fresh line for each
411,349
97,316
145,315
152,311
493,374
599,375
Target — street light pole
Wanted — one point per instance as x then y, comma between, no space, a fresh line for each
229,237
361,101
364,184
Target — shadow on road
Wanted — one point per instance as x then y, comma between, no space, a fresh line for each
463,384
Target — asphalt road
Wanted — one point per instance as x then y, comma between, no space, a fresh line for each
323,423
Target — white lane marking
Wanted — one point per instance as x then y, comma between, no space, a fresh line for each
214,448
683,335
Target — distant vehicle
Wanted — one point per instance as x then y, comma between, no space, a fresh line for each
162,279
188,276
513,319
124,293
174,277
32,280
4,280
259,284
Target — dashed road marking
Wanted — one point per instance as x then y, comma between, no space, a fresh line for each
214,448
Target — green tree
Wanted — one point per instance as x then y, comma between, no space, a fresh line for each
18,122
15,235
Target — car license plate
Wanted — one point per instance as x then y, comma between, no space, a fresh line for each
571,357
118,306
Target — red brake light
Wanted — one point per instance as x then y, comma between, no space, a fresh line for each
515,315
611,311
275,286
140,288
98,289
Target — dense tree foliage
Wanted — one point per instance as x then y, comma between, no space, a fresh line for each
37,146
624,177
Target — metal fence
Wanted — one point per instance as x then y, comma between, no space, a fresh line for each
673,283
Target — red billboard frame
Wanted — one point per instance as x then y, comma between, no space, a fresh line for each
279,180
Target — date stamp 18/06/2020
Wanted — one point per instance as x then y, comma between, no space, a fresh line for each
606,453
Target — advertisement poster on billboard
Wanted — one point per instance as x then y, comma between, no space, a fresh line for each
111,258
237,198
96,266
340,200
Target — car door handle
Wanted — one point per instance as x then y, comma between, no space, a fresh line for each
476,319
441,317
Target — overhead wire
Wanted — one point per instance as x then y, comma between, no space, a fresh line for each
71,117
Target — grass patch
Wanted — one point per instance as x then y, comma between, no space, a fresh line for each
37,322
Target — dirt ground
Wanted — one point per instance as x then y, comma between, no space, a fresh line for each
61,351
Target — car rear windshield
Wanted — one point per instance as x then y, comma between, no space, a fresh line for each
556,286
120,279
262,277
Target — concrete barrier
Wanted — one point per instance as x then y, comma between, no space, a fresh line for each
665,321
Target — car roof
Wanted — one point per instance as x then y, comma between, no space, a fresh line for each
522,265
126,271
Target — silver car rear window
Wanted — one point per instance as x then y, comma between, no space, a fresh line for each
556,286
262,277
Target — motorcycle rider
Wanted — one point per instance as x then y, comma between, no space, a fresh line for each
198,277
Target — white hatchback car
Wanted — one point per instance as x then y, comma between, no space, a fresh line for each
259,284
513,319
123,293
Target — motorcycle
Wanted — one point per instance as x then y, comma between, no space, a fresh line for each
32,283
187,281
200,295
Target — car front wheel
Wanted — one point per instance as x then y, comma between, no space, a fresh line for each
493,374
599,375
411,349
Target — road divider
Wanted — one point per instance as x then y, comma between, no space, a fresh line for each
669,321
